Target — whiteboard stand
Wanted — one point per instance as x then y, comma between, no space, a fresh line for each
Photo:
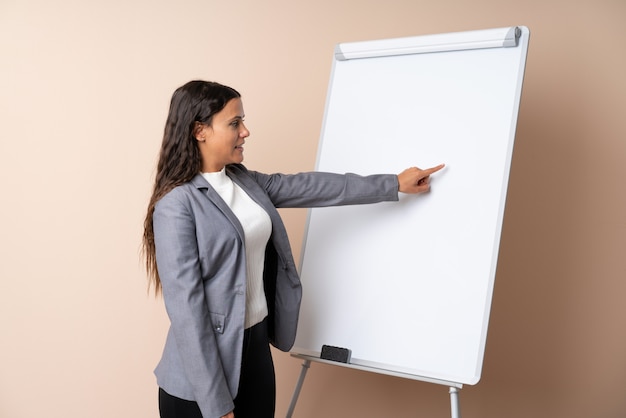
454,388
455,406
445,98
296,393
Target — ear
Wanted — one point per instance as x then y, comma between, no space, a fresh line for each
201,131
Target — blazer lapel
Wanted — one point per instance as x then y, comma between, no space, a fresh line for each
256,192
253,190
201,184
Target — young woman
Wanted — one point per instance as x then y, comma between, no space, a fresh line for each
217,249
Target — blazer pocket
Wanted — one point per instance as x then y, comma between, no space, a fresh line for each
217,320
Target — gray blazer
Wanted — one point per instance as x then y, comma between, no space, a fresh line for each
202,265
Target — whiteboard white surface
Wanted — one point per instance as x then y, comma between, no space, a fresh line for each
407,286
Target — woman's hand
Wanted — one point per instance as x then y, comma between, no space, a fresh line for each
231,414
415,180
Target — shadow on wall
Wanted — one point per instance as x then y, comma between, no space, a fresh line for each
538,347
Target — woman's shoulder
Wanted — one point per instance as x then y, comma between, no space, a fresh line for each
182,193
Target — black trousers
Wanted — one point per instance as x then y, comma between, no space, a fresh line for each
256,397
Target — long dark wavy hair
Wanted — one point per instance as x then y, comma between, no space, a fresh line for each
192,105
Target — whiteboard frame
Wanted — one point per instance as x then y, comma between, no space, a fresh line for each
498,38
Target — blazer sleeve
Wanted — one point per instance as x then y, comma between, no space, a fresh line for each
318,189
183,293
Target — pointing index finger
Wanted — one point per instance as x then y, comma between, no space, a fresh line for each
432,170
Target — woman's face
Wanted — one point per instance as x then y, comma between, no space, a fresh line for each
221,143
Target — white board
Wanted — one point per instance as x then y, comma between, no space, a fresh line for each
407,286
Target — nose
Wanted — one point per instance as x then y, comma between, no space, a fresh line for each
244,132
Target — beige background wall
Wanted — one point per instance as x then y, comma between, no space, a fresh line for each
84,90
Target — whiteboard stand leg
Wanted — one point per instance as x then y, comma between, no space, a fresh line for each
454,402
305,366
